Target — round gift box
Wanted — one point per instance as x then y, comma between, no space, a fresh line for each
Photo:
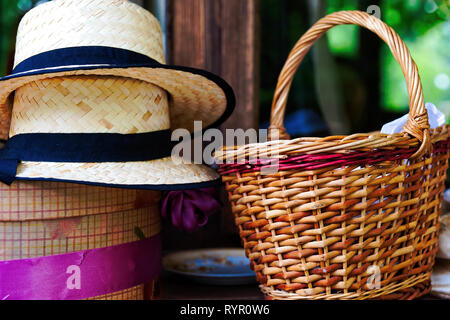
41,219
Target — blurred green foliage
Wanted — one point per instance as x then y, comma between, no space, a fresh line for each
10,13
425,27
343,40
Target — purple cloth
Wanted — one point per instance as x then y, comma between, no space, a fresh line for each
83,274
189,210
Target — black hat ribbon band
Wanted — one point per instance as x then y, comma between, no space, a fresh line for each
82,148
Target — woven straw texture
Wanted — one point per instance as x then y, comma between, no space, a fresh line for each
118,24
99,104
89,105
342,211
61,218
110,23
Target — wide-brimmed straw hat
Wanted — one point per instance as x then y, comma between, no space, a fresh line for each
116,38
102,123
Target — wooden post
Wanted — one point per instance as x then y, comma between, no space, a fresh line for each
221,36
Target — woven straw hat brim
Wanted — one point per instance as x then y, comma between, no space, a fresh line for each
162,174
111,105
194,94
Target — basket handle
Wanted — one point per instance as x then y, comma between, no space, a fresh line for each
417,124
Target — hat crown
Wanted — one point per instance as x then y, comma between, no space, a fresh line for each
76,23
89,104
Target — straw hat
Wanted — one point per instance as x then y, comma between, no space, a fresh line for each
95,104
111,37
99,130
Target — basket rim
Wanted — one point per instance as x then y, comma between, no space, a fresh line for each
330,144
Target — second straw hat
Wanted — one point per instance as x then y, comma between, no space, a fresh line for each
95,103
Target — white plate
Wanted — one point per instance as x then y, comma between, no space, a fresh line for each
224,266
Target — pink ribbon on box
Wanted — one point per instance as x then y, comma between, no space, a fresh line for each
83,274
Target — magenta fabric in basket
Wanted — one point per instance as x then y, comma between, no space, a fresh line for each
317,161
83,274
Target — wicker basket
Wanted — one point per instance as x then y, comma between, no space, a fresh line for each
49,218
341,212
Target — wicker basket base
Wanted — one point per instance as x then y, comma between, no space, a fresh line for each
415,292
408,290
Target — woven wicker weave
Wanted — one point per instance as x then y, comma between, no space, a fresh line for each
48,218
341,208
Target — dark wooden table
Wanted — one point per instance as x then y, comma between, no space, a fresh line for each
177,288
